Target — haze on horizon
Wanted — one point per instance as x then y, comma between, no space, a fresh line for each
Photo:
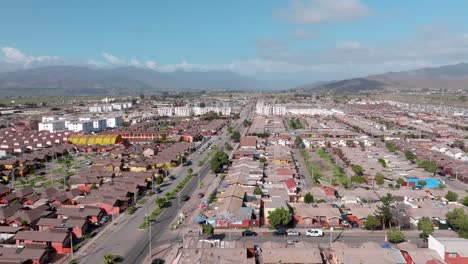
277,42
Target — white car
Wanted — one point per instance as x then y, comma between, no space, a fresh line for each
293,233
315,233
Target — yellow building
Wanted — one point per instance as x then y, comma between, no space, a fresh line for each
89,140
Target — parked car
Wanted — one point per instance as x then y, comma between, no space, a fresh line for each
172,177
185,198
417,187
200,195
89,163
188,163
249,233
315,232
157,190
280,232
293,233
104,220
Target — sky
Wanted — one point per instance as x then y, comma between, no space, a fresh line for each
280,42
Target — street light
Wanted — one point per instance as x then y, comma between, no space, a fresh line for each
331,231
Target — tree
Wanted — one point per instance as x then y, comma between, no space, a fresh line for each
263,160
426,227
410,156
382,162
465,201
358,179
299,142
279,217
458,220
384,211
235,136
451,196
219,160
159,180
161,202
400,181
112,259
357,169
422,183
189,172
257,191
202,104
395,236
349,143
208,229
308,198
228,147
379,178
371,223
246,123
74,261
391,146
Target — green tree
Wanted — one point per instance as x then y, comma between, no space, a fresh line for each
112,259
371,223
382,162
426,227
161,202
228,147
279,217
308,198
159,180
235,136
219,160
422,183
379,178
410,156
74,261
349,143
246,123
299,142
391,146
357,169
263,160
458,219
208,229
384,211
358,179
189,172
400,181
395,236
451,196
465,201
257,191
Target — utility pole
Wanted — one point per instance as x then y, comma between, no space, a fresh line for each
331,231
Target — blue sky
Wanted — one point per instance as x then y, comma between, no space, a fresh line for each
282,42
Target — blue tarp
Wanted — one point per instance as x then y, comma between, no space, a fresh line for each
199,220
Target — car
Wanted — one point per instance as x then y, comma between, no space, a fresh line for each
293,233
200,195
417,187
157,190
316,232
184,198
89,163
104,220
42,173
292,241
249,233
451,178
172,177
280,232
345,223
188,163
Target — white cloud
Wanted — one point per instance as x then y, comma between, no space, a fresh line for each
151,65
112,59
15,56
135,63
319,11
304,35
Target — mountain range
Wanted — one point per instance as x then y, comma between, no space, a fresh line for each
80,80
448,78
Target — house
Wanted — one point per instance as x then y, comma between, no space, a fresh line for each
274,203
57,239
452,250
79,226
308,216
35,255
91,213
291,185
248,142
329,191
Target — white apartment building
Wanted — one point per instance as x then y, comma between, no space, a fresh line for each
52,126
165,111
182,111
116,121
215,109
86,126
110,107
